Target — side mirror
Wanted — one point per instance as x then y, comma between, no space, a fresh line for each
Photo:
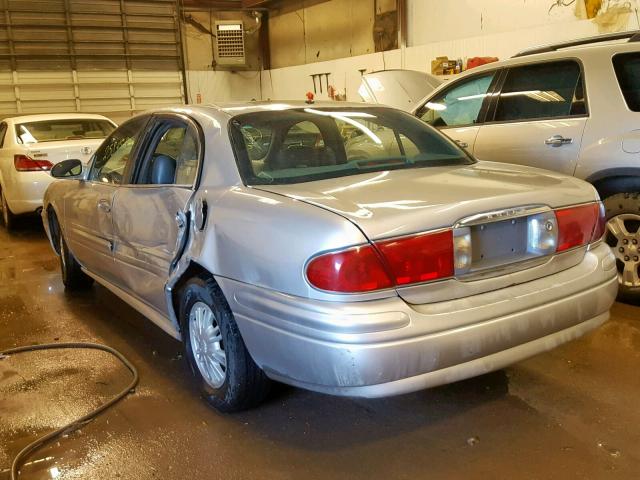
67,169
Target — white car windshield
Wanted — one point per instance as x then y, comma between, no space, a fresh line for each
299,145
67,129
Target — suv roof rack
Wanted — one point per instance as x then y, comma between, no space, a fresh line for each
633,36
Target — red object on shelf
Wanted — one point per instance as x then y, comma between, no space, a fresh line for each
477,61
310,97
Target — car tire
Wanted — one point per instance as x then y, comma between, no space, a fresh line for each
72,275
210,333
623,236
8,218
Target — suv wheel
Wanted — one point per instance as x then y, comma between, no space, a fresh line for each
623,236
229,378
8,218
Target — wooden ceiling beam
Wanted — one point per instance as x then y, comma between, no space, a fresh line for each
254,3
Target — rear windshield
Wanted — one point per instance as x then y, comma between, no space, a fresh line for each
56,130
301,145
627,66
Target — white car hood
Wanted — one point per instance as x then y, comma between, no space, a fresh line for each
401,89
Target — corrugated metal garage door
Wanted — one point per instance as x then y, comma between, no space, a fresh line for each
114,57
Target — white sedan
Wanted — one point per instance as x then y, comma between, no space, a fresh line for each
30,145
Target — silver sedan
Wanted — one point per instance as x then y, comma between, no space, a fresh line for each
342,248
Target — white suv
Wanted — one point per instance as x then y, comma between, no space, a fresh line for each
30,145
573,108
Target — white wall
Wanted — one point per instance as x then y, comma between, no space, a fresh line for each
437,20
456,28
206,86
292,83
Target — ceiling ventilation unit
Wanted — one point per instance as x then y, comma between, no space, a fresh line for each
230,44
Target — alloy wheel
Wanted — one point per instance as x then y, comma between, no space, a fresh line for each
623,236
207,346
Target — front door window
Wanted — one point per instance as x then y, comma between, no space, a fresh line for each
460,105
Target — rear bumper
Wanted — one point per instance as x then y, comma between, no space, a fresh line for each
26,191
388,347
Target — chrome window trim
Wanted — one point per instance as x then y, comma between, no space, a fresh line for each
502,214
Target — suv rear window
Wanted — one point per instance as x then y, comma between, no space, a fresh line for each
627,67
545,90
302,145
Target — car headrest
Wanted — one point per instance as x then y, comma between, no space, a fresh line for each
163,171
294,156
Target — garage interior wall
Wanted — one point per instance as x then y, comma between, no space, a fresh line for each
208,82
303,32
456,28
114,57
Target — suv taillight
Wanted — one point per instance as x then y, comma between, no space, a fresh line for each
24,163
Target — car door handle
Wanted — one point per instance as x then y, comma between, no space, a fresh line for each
104,205
462,144
558,141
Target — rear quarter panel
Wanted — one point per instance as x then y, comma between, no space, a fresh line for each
266,239
611,138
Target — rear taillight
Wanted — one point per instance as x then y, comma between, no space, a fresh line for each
390,263
579,226
437,255
419,258
24,163
601,224
351,271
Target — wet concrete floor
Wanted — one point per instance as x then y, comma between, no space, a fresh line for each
571,413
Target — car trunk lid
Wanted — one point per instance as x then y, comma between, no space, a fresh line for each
401,202
398,203
54,152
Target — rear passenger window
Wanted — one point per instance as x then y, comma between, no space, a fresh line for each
627,67
546,90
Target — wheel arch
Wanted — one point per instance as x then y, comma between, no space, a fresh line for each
615,180
192,270
53,227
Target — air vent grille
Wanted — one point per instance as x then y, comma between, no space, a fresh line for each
230,40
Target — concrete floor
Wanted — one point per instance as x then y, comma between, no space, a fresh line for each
571,413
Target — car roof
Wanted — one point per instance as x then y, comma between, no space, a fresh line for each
581,52
609,39
54,116
559,51
233,109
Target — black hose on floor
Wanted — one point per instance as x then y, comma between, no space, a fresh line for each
70,427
